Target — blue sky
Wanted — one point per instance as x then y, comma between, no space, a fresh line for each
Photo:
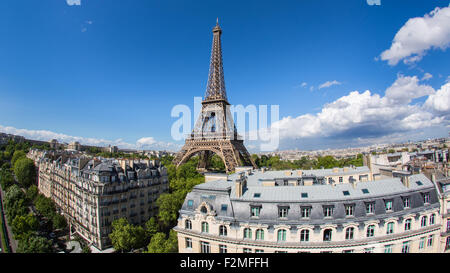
109,72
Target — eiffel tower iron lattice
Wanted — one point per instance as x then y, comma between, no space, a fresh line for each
215,131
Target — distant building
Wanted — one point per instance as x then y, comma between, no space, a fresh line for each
306,211
92,192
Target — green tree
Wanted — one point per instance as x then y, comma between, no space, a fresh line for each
126,237
34,244
171,245
18,154
6,179
23,225
58,221
45,206
32,193
25,171
157,243
151,226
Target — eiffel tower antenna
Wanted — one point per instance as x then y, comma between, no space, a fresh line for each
215,132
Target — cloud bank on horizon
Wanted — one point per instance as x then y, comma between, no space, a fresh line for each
144,143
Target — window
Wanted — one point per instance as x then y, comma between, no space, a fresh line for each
259,251
370,231
247,233
223,231
247,250
423,222
405,247
365,191
304,195
448,224
224,207
349,210
346,193
255,211
327,234
406,202
259,234
426,198
390,228
188,224
349,233
432,216
203,209
430,240
304,235
305,212
205,227
447,243
341,179
190,204
188,243
222,249
368,250
256,195
327,211
347,251
205,248
281,235
370,208
407,224
388,205
282,212
388,248
422,243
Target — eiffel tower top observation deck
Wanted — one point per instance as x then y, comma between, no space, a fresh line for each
215,89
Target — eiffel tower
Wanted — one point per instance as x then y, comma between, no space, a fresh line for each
215,132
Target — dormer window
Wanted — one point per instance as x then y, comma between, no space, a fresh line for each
203,209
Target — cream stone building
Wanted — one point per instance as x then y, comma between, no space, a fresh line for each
92,192
330,210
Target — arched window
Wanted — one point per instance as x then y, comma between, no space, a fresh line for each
304,235
432,219
259,234
281,235
390,228
203,209
349,233
205,227
423,222
408,224
327,234
188,224
223,231
247,233
370,231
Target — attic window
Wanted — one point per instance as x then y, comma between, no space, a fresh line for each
256,195
419,183
365,191
190,203
346,193
224,207
304,195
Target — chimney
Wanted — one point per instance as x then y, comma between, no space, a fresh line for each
405,180
241,185
287,173
299,173
123,164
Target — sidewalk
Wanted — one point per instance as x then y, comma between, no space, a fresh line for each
13,243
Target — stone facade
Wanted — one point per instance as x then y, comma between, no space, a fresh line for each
93,192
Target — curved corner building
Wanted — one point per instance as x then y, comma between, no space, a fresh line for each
327,210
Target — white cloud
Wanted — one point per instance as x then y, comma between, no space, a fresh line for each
73,2
426,76
365,114
419,35
440,101
304,84
44,135
328,84
406,88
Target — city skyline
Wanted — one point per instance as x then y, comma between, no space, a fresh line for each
75,72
